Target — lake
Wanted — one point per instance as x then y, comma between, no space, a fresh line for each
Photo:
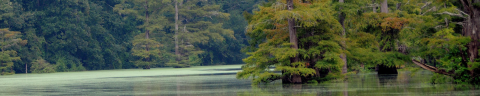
217,80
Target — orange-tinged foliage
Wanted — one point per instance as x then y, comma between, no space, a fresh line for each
9,35
301,3
278,33
307,64
390,23
386,21
23,42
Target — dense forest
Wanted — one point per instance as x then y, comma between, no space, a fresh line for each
311,41
76,35
306,41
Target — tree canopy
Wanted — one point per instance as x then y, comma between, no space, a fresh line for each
439,33
79,35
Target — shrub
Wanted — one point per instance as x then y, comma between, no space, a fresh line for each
42,66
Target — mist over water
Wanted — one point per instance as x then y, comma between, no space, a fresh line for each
215,80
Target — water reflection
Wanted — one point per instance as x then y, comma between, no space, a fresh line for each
345,89
370,84
387,79
219,81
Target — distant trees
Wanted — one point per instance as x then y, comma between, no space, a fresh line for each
149,11
197,26
228,51
80,35
6,10
42,66
147,50
9,39
200,27
75,35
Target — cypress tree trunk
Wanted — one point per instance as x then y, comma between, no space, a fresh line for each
296,78
343,56
374,7
471,29
399,5
177,53
384,7
146,23
147,32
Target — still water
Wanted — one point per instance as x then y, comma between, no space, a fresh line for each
217,80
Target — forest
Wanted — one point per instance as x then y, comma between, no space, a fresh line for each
77,35
306,41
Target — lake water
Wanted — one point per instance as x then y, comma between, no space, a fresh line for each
217,80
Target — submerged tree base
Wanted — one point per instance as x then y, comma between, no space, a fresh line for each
321,75
382,69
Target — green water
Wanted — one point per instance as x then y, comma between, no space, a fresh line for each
216,80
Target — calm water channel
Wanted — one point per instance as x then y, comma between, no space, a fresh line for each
216,80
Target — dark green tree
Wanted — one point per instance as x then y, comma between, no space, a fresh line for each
149,11
200,32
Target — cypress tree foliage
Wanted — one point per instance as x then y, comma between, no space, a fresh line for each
200,31
448,36
376,38
429,31
153,20
228,51
8,39
318,43
6,11
147,50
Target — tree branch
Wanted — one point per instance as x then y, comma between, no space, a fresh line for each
438,26
433,8
431,68
426,4
371,5
460,23
462,12
452,14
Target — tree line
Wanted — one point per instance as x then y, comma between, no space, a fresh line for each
44,36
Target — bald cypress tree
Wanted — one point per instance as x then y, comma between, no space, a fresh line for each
150,12
8,39
199,27
317,57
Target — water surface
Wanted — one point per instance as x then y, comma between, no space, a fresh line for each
217,80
